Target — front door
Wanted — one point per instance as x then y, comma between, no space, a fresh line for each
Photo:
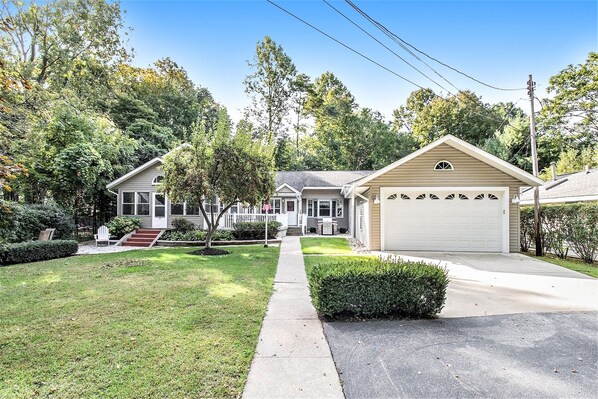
159,220
292,212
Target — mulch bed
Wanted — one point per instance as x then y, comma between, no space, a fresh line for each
210,252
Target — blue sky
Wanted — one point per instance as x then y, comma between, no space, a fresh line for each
499,42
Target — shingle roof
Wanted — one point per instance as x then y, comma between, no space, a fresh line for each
580,184
327,178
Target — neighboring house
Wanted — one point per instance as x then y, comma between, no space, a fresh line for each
571,187
447,196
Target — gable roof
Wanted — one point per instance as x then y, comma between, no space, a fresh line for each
468,149
299,180
571,187
134,172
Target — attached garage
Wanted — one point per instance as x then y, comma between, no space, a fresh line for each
456,219
447,196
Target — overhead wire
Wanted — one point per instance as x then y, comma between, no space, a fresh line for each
383,45
343,44
405,43
375,62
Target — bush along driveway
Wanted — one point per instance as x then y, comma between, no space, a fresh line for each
152,323
512,326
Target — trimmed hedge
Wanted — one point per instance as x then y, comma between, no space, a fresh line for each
23,222
197,235
376,288
255,230
563,226
33,251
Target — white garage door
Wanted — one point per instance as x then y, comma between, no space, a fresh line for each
443,220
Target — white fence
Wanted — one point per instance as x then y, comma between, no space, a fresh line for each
228,220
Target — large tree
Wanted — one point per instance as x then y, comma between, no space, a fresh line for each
269,86
429,117
573,109
219,166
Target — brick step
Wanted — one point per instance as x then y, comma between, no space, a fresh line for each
294,231
148,231
148,235
136,244
140,239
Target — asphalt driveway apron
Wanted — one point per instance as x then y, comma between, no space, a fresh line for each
513,327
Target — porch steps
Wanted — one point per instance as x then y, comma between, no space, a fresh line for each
294,231
142,238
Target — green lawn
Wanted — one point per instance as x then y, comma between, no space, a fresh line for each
573,264
311,261
140,324
325,246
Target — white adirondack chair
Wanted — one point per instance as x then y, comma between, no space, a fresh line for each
103,235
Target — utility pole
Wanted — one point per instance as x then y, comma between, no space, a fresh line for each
532,129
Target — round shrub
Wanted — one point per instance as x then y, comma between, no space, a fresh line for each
121,225
378,288
183,225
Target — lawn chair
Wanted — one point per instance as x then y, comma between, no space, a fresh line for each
46,235
102,236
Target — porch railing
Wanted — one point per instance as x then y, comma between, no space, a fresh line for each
228,220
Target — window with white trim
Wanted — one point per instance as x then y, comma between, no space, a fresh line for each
128,204
157,180
443,165
324,208
143,201
339,208
135,203
177,209
275,207
211,206
310,208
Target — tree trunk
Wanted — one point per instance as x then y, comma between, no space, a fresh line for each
209,234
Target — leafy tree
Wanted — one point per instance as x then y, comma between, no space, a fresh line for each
300,88
464,116
573,160
62,44
512,142
9,170
76,156
573,109
165,89
269,87
233,169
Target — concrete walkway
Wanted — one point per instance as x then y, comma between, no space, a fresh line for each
292,359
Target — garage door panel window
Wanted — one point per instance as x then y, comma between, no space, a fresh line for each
405,197
392,197
463,197
492,197
421,197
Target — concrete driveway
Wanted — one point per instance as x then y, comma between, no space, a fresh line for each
512,327
493,284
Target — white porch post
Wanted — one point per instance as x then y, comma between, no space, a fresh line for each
352,215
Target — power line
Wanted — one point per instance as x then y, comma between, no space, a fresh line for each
383,45
403,42
343,44
397,41
375,62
